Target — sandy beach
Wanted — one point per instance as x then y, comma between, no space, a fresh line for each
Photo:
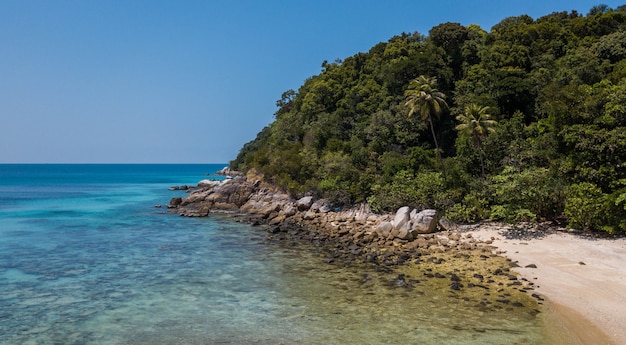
583,279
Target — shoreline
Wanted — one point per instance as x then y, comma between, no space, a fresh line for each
584,279
576,326
574,301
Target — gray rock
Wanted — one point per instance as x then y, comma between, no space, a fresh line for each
424,222
446,224
277,220
235,192
324,209
208,183
402,217
309,215
362,213
384,229
250,205
394,233
266,209
405,232
304,203
196,197
200,211
288,210
227,171
320,205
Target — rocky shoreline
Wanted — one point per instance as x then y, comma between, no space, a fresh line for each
416,246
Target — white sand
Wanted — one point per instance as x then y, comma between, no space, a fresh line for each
596,289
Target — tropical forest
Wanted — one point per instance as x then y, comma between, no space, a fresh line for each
522,123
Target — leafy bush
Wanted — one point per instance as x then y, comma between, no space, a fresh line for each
471,209
585,206
526,195
510,213
424,190
338,178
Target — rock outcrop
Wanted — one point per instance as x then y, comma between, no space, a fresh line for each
266,205
227,171
225,196
354,234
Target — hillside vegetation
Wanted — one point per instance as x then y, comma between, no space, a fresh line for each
526,122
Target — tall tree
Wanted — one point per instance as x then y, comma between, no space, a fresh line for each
423,97
475,124
450,37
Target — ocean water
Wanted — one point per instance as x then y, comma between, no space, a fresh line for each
87,258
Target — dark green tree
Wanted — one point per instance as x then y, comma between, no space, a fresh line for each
475,124
424,98
556,86
451,37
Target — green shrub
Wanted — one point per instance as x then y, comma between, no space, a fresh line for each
470,210
526,195
423,190
508,213
500,212
585,206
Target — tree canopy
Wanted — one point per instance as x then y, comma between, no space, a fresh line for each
553,90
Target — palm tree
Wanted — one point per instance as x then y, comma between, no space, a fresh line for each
476,125
424,98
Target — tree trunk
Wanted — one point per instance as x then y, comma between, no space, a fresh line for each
432,129
482,164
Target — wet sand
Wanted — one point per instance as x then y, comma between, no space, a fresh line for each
584,279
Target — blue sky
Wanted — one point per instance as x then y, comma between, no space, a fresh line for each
130,81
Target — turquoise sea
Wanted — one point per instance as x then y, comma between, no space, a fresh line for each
87,258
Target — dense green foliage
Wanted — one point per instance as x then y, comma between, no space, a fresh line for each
533,125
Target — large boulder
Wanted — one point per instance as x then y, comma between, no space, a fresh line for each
176,201
227,171
208,183
226,195
304,203
384,229
424,222
236,191
266,209
402,218
251,204
288,210
405,232
321,205
264,203
196,197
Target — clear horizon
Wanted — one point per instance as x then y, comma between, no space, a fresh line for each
160,82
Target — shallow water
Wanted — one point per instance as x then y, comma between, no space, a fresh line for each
86,258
